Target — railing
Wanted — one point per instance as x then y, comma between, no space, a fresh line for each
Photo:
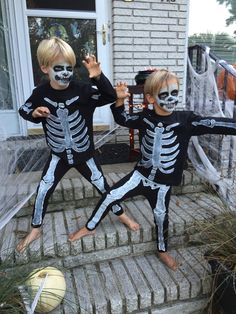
225,72
222,85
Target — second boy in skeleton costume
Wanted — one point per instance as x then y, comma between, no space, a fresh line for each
65,108
164,135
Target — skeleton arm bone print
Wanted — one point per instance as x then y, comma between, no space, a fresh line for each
27,109
123,118
213,125
103,93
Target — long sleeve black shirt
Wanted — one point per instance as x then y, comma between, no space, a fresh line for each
69,128
164,139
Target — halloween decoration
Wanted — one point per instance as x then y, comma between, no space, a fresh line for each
53,290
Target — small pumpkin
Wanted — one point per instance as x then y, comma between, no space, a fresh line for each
53,291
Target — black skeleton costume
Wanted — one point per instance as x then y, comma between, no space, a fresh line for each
163,146
69,134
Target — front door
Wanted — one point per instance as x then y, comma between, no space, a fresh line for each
9,120
83,24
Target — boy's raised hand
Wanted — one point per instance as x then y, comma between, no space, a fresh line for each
121,93
92,66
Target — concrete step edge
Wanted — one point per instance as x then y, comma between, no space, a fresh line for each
76,191
138,284
112,238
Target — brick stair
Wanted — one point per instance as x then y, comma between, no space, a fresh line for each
74,191
116,271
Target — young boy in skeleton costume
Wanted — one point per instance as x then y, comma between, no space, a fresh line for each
65,108
164,135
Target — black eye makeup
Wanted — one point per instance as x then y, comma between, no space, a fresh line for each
69,68
163,95
59,68
174,92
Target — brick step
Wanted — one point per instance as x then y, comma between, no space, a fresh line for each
112,239
138,284
116,270
74,191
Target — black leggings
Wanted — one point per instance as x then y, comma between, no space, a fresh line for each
158,196
53,172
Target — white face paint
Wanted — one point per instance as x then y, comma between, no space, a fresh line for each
61,74
168,97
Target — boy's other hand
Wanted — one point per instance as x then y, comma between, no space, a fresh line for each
41,112
92,66
122,90
121,93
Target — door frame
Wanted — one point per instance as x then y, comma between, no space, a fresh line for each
18,20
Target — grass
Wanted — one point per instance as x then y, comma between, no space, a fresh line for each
10,298
14,276
219,233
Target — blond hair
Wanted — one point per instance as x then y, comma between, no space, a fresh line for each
49,49
155,80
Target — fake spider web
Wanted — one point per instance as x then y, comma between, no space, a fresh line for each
21,162
210,154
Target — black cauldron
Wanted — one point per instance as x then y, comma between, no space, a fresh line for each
140,78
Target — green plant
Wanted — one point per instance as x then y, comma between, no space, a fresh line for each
218,234
14,287
10,298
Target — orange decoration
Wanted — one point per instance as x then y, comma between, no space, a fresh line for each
231,84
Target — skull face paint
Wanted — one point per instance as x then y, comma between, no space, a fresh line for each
61,74
168,97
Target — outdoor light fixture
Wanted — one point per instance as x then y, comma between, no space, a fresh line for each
127,0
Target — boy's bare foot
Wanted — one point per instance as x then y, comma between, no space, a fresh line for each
32,236
130,223
168,260
80,234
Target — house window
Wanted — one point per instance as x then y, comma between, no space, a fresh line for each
6,74
71,5
79,33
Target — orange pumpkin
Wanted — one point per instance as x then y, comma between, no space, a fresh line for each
231,84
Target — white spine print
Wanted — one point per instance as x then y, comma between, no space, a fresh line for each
66,132
158,150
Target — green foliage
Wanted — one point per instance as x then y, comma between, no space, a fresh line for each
222,44
10,298
231,5
219,233
13,277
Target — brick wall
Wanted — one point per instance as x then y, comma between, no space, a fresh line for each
149,34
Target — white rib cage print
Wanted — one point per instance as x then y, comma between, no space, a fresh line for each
66,131
158,149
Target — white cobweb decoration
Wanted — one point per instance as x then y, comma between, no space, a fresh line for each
21,163
205,152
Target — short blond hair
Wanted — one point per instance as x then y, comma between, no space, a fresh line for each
155,80
49,49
